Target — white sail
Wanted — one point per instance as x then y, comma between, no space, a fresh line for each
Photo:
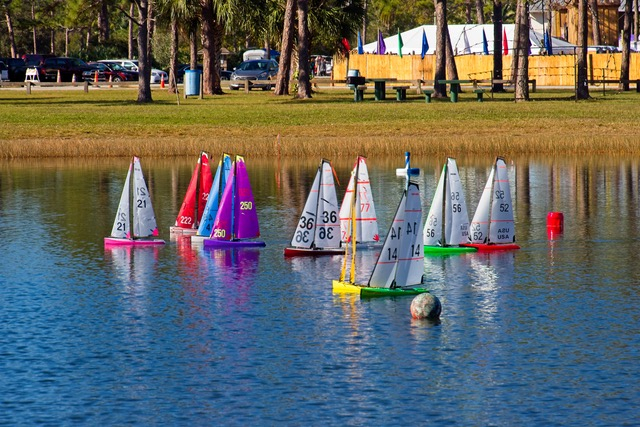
327,226
501,227
144,219
304,235
432,233
367,222
401,261
457,230
479,229
411,260
122,223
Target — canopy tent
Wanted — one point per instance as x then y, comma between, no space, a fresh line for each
465,39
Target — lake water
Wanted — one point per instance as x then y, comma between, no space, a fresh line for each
547,335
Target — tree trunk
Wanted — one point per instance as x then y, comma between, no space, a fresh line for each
286,47
515,58
467,11
53,42
103,22
595,21
582,89
304,82
452,69
636,24
522,72
66,41
480,11
144,61
10,32
364,22
130,38
151,28
626,47
193,47
440,72
208,46
497,46
33,29
218,31
173,56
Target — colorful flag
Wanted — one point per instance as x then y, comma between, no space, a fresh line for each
467,46
547,43
345,44
505,44
360,48
485,44
382,48
400,43
425,44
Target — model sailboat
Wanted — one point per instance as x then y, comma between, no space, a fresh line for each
237,220
318,231
365,211
447,225
400,266
195,199
143,217
492,227
210,210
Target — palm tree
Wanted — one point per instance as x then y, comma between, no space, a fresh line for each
440,90
304,82
582,90
286,47
144,51
626,46
522,52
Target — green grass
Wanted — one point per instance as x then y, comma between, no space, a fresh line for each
108,122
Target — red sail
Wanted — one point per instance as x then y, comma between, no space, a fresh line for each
197,193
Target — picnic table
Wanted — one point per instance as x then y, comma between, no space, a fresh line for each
379,87
455,87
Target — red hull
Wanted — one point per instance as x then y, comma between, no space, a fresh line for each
312,252
482,247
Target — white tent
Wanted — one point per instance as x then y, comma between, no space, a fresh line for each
465,39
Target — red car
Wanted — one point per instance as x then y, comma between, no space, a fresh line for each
107,70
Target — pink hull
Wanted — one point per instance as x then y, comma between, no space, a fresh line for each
312,252
494,247
115,241
225,244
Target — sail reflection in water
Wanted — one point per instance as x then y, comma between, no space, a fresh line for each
234,274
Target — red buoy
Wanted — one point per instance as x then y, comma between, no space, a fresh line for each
555,224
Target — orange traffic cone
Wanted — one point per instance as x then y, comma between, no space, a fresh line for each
73,79
162,81
58,78
95,77
110,80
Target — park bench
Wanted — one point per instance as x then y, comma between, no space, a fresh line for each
401,92
358,93
427,95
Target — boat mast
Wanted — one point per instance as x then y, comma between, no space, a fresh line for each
195,223
445,186
493,183
234,222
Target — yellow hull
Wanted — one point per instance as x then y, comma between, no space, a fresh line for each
345,288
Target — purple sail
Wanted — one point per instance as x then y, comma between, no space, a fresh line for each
246,218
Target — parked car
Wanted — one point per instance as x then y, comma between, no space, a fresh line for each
603,49
181,69
4,72
225,75
259,71
34,59
67,67
132,65
107,70
16,69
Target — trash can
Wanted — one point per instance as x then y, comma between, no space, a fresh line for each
353,73
191,82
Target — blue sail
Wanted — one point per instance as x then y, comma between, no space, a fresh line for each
211,208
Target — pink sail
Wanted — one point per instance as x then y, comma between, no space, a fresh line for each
246,218
197,193
223,224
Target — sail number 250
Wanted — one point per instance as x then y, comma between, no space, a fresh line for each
246,206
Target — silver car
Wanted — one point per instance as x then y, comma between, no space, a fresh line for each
261,73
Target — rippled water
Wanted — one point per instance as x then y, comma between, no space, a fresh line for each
175,335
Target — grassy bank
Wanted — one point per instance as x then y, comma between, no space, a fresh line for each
108,122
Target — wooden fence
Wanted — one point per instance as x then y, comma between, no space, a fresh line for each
554,70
